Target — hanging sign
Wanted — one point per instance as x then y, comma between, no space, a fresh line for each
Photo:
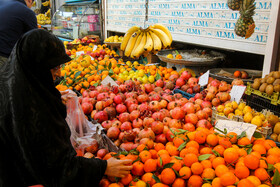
236,93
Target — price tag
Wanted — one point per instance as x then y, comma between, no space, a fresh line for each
236,93
237,127
78,53
91,57
203,79
109,80
94,48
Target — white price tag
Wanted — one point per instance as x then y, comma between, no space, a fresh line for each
108,80
78,53
236,93
203,79
91,57
94,48
237,127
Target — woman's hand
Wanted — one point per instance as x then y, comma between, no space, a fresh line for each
118,168
67,94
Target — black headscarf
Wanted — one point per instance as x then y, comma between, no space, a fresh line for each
33,132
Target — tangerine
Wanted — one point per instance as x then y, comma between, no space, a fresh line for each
195,181
220,170
189,159
228,179
242,172
179,183
168,176
197,168
245,183
150,165
185,172
251,161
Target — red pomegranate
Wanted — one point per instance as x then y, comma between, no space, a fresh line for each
188,108
106,124
102,152
121,108
146,133
159,83
143,98
113,132
191,118
118,99
123,117
93,94
87,108
126,126
158,116
180,82
99,105
161,138
186,75
137,123
205,104
176,124
132,107
157,127
201,115
134,115
177,113
189,127
147,122
166,121
111,111
101,116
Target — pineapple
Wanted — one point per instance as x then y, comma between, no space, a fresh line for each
234,4
245,24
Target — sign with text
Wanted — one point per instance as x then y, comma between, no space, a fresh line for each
205,22
203,79
237,127
236,93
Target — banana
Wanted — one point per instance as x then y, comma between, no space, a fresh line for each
140,48
149,43
157,42
127,36
164,29
46,3
163,37
136,44
131,43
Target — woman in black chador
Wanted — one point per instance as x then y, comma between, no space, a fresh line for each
34,136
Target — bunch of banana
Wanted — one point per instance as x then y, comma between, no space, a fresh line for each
43,20
137,40
46,3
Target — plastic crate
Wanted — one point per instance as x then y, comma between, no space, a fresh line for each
259,103
274,98
277,143
184,94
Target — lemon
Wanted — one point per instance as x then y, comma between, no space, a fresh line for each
125,72
230,115
241,106
139,79
128,63
131,72
220,108
257,120
151,79
135,63
140,183
122,70
248,117
238,112
145,79
169,56
228,105
141,73
234,105
262,116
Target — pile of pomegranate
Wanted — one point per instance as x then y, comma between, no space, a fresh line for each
134,114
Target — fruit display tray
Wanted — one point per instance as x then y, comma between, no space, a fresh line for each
274,98
217,74
193,57
184,94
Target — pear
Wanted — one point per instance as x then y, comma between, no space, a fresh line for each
277,128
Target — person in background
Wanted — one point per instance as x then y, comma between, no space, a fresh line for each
34,135
16,18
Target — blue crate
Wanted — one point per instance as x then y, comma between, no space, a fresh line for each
184,94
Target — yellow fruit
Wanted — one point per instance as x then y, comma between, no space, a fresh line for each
151,79
241,106
234,105
247,109
141,73
169,56
262,116
248,117
140,184
257,120
135,63
145,79
230,115
220,108
128,63
238,112
228,105
277,128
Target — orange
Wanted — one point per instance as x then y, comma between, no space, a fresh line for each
269,144
126,180
160,185
178,141
251,161
195,181
145,155
104,183
192,143
172,150
168,176
159,146
220,170
277,166
131,157
272,159
161,152
141,147
153,153
262,174
206,164
179,183
114,185
138,168
255,180
227,179
245,183
218,161
263,164
242,172
197,168
242,152
259,148
232,137
274,151
256,154
163,159
212,140
183,152
217,182
200,137
189,159
244,141
148,178
225,142
192,150
220,149
208,173
205,150
231,155
185,172
177,164
206,185
150,165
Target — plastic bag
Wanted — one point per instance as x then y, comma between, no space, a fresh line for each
84,133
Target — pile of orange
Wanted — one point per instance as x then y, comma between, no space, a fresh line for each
202,158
